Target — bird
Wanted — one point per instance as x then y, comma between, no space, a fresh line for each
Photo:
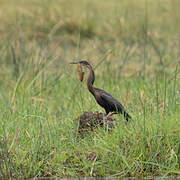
104,99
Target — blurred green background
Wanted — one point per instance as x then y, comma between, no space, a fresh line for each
134,47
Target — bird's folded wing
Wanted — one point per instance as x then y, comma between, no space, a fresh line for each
111,101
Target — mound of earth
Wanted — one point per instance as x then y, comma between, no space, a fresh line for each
90,120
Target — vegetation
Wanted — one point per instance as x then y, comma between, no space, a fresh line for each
134,48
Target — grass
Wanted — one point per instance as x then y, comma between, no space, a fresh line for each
134,49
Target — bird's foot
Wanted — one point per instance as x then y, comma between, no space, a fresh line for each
110,114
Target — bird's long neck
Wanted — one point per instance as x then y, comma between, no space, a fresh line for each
90,80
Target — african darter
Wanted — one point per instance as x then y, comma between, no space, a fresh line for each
104,99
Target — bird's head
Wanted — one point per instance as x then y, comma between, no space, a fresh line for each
82,63
81,73
79,68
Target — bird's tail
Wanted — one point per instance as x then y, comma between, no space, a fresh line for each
127,116
123,111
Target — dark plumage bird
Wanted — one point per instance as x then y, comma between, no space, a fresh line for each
104,99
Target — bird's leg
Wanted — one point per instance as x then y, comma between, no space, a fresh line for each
110,114
107,121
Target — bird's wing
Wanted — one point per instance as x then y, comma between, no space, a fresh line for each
111,104
111,101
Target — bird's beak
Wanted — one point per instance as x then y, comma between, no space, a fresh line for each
74,63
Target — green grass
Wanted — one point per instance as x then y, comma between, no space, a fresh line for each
134,49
